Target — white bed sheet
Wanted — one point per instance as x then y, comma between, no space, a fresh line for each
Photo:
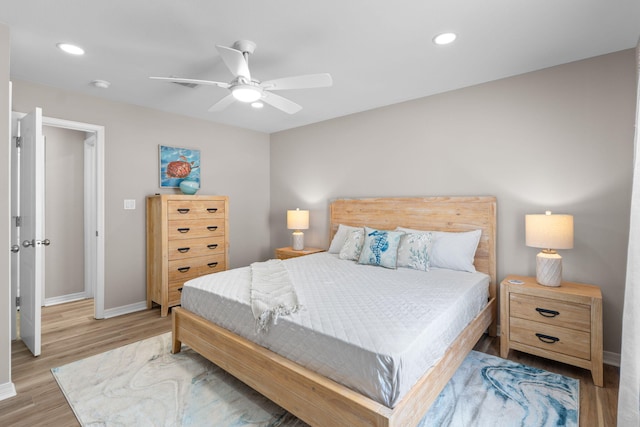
374,330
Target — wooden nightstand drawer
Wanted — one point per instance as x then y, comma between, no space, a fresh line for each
551,311
289,252
555,339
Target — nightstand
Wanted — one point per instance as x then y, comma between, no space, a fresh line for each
560,323
288,252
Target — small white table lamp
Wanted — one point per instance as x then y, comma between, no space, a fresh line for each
298,220
549,232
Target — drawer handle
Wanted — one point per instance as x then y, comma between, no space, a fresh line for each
183,210
213,264
212,210
547,338
212,227
547,313
179,289
212,246
183,250
184,230
184,269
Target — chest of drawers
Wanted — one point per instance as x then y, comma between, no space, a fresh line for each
187,237
560,323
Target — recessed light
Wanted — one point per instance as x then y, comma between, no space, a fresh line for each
70,48
257,104
444,38
101,84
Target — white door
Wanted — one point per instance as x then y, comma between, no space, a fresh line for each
31,228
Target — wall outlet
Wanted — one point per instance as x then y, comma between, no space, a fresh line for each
129,204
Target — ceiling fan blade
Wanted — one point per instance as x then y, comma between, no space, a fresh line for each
192,81
222,104
235,61
299,82
281,103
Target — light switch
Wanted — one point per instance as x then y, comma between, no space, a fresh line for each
129,203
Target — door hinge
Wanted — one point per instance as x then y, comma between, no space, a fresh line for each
18,221
18,300
18,141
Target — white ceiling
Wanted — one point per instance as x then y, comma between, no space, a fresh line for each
379,52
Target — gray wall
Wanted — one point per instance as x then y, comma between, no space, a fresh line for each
558,139
5,216
235,162
64,207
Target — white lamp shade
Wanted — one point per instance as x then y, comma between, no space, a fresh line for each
297,220
549,231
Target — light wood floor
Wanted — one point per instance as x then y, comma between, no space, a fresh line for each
70,333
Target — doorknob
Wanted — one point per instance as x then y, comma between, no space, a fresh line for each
28,243
15,248
46,242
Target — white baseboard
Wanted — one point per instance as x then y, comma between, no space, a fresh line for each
65,298
125,309
608,357
7,390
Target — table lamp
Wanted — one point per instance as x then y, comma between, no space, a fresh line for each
549,232
297,220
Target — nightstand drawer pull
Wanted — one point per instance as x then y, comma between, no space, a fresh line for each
183,269
184,230
212,246
183,250
213,264
547,313
212,227
212,210
547,338
183,210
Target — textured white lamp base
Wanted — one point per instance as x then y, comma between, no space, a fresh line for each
298,241
549,269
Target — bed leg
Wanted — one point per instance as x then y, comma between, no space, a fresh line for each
176,344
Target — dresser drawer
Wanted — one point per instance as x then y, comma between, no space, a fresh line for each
550,311
194,209
195,228
555,339
181,270
190,248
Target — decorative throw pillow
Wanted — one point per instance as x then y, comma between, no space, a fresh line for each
353,245
380,247
414,250
340,237
455,251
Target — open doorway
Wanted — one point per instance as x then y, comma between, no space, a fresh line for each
76,157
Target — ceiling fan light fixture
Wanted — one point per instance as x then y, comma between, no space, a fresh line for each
246,93
257,105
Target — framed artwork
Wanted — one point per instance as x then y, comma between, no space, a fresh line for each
178,164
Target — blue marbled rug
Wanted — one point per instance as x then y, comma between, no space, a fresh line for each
143,384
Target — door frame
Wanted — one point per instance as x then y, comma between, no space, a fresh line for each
94,259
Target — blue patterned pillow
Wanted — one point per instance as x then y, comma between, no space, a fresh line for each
380,247
414,251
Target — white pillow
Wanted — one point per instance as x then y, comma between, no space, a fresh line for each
340,237
415,250
353,245
454,251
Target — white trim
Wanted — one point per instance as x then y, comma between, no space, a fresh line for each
7,390
125,309
65,298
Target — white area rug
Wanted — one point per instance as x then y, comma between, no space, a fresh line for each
143,384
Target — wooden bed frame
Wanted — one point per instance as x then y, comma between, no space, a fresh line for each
318,400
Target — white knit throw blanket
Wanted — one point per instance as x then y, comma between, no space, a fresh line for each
272,293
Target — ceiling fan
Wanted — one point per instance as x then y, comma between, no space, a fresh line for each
245,89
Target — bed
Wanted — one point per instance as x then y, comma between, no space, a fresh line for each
314,397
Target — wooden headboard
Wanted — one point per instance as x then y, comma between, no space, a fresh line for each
426,213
